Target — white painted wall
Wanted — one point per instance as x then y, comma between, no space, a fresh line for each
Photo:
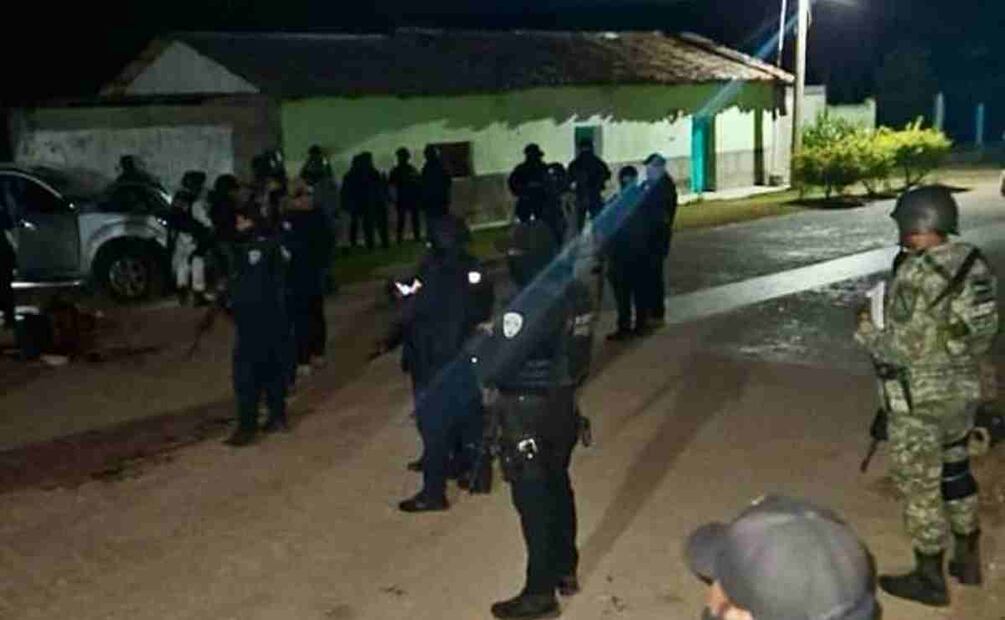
180,70
734,130
167,151
635,121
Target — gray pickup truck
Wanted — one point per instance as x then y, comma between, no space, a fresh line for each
75,227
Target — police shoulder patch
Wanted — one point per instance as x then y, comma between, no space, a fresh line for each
512,324
254,256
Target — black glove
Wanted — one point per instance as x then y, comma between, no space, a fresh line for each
878,428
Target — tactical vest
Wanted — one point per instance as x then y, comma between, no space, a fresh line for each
941,313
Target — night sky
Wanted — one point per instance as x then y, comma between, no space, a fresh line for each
70,52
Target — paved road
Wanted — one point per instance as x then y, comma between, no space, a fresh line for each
707,258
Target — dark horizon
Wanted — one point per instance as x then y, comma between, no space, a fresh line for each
954,47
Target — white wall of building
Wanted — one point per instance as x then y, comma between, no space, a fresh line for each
167,151
633,121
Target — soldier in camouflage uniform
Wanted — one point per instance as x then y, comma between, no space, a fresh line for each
940,321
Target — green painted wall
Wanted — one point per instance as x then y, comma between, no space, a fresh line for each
635,120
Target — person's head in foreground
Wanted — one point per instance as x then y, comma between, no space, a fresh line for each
783,559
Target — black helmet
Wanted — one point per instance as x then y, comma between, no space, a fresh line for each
194,181
532,247
225,183
316,151
533,151
931,208
402,153
448,235
628,172
128,163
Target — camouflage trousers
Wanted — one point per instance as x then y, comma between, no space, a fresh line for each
922,448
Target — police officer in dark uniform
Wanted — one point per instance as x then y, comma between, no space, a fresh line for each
440,308
364,196
256,297
317,168
530,183
436,186
659,208
269,169
132,170
589,176
405,182
537,355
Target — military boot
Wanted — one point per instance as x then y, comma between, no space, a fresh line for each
926,584
528,607
241,437
966,563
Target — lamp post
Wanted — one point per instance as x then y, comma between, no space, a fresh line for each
802,29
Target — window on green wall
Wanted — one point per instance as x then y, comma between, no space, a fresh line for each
456,158
591,133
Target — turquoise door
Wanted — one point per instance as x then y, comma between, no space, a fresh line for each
700,137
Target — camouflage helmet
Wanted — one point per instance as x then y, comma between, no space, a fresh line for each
927,209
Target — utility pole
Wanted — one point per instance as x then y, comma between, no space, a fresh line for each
800,91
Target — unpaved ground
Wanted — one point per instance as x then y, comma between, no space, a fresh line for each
145,396
690,425
304,526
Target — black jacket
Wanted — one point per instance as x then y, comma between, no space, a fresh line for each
435,188
363,191
659,210
589,176
256,292
531,184
407,185
308,238
542,340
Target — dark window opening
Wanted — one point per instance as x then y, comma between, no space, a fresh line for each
589,133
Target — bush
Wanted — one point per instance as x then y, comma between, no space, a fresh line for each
831,156
878,153
837,154
916,151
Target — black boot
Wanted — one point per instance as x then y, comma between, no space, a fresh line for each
926,584
568,585
528,606
415,465
241,437
966,563
481,479
423,503
275,425
620,335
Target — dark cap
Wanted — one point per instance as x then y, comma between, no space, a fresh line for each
533,150
786,559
